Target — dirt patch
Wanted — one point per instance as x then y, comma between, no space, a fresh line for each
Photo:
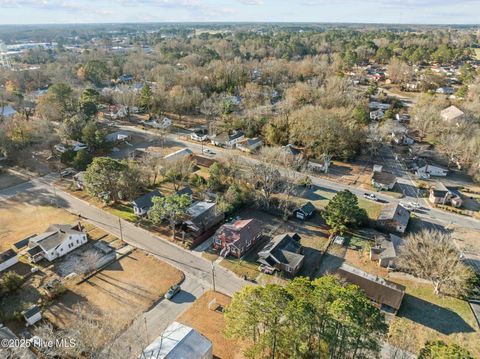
20,220
212,324
125,288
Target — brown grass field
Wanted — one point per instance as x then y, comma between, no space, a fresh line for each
212,324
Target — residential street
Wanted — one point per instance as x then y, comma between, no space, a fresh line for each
428,214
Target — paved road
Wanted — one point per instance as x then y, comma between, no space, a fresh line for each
197,270
428,214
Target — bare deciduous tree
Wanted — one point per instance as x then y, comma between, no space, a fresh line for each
431,255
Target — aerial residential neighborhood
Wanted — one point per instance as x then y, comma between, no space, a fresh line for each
211,179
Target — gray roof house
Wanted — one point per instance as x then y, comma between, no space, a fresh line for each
228,140
393,218
202,216
283,252
142,204
383,180
179,341
386,251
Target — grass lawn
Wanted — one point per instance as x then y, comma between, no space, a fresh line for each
211,323
210,255
241,267
122,211
373,208
431,317
125,288
19,220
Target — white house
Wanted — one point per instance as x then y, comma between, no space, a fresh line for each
8,259
32,315
58,240
179,341
427,171
163,124
201,135
228,140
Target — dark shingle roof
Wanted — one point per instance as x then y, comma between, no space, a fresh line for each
376,288
8,254
145,201
384,177
31,312
307,208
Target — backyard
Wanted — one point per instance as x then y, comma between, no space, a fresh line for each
210,323
19,220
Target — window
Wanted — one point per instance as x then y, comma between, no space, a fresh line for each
77,241
288,268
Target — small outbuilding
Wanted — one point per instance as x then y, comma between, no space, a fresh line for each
306,211
32,315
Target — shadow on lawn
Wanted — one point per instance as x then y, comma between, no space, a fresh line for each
438,318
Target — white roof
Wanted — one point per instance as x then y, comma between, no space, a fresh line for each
178,154
451,113
178,341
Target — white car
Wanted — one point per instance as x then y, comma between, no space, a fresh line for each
370,196
208,152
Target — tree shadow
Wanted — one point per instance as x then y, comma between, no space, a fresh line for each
183,297
441,319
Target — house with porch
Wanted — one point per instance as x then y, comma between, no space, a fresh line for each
142,204
283,253
55,242
238,237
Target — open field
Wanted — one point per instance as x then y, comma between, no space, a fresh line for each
19,220
424,316
212,324
125,288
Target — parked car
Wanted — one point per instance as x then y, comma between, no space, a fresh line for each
370,196
207,151
67,172
172,291
266,269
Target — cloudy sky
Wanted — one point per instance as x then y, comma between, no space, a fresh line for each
371,11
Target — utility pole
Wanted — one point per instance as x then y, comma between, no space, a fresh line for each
146,328
120,226
213,275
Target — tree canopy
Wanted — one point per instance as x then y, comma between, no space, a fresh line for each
305,319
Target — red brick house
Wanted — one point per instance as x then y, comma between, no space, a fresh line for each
238,237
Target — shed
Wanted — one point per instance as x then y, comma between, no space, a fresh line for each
305,212
32,315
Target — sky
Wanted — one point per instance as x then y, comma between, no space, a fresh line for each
354,11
